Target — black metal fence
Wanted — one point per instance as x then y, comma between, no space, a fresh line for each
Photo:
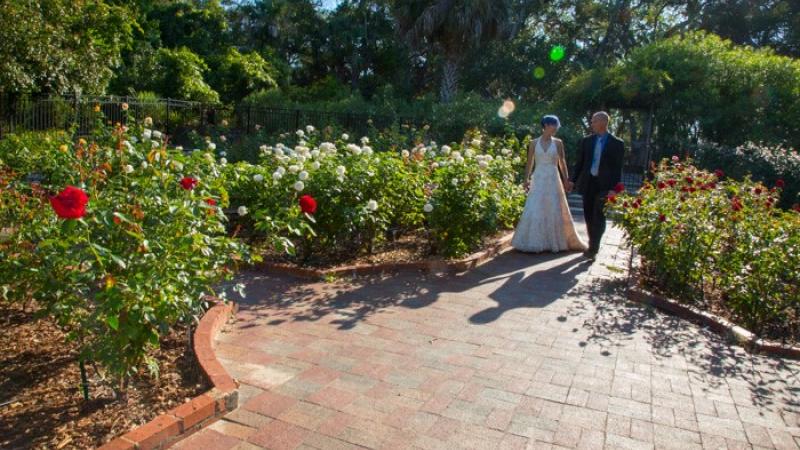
179,118
176,117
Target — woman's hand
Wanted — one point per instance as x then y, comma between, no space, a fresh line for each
527,186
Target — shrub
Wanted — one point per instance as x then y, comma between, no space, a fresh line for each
719,243
118,267
760,162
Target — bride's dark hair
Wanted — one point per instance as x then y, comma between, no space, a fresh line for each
551,120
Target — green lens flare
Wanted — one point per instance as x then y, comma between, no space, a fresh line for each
538,73
557,53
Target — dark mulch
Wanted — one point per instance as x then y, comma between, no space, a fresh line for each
785,331
408,247
41,404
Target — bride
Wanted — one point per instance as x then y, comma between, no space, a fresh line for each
546,223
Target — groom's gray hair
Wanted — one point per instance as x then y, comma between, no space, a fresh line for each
602,114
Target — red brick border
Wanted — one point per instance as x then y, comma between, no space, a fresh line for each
460,265
745,338
200,411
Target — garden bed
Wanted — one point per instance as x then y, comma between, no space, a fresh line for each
411,251
42,404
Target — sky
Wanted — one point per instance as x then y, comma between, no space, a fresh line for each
329,4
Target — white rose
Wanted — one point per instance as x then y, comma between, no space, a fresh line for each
309,129
505,151
147,134
156,134
294,168
460,160
263,148
179,148
427,208
446,149
455,181
300,133
242,210
340,170
258,178
456,155
128,168
279,151
144,164
299,186
281,169
315,153
302,175
364,140
315,165
178,166
435,165
277,175
367,150
483,164
345,137
212,146
516,160
469,153
223,161
405,153
223,138
372,205
148,121
154,144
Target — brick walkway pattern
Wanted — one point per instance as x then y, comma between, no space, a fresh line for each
527,351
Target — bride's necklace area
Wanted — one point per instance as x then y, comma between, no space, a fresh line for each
545,148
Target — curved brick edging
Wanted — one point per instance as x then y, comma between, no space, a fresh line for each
745,338
200,411
460,265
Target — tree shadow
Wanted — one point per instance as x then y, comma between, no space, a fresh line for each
713,361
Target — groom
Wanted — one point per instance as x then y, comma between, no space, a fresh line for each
597,172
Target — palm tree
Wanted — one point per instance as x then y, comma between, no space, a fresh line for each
451,28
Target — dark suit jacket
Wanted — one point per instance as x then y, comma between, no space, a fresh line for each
611,161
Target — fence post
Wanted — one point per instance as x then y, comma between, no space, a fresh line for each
166,122
249,107
77,115
296,119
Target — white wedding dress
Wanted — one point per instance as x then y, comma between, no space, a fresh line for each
546,223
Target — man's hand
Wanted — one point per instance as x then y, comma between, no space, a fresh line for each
570,186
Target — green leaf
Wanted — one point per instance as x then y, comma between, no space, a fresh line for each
113,322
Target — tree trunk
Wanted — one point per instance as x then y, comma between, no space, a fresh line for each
449,80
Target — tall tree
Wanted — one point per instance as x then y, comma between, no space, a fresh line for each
451,28
61,45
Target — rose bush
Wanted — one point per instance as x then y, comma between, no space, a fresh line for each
718,243
117,237
365,196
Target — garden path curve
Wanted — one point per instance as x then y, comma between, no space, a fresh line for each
527,351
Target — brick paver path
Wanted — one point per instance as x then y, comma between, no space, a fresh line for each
527,351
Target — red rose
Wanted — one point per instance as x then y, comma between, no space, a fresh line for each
211,202
619,187
779,183
689,180
117,220
188,183
70,203
757,191
672,182
662,218
635,205
796,207
692,189
612,198
719,173
625,204
307,204
662,185
736,204
712,185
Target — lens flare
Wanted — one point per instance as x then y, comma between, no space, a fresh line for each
557,53
538,73
506,109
